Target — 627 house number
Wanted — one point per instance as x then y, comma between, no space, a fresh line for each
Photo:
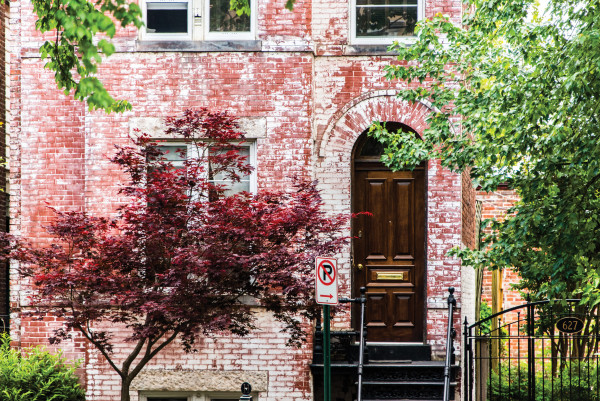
569,325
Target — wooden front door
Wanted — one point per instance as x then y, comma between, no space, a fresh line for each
389,246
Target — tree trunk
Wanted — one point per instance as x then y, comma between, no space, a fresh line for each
125,384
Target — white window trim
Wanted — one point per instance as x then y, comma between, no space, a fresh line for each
199,24
252,159
251,35
167,36
383,40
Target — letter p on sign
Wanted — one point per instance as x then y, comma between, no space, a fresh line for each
326,288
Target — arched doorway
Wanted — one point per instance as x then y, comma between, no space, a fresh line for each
388,249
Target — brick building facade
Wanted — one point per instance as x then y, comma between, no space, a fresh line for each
306,85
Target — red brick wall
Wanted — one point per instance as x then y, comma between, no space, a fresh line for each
495,205
469,228
314,101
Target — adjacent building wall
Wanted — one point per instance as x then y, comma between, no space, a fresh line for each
4,302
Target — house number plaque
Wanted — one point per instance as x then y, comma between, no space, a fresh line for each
569,325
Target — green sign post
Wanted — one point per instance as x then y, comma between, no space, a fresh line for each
326,353
326,293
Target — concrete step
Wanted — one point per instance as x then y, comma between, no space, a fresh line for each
409,390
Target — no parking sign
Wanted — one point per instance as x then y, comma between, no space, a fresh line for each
326,288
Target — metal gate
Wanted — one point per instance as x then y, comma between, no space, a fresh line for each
546,350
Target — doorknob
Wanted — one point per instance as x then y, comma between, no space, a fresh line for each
360,266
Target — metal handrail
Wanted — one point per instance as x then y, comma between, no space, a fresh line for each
362,300
449,344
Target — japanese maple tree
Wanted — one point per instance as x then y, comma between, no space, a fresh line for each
182,257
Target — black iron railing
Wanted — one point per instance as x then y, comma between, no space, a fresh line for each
343,343
451,333
362,338
546,350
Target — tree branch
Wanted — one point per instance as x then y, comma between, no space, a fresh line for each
136,351
149,354
100,348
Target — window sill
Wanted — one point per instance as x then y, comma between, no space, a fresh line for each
367,50
198,46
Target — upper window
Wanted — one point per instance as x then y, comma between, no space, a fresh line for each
383,21
197,20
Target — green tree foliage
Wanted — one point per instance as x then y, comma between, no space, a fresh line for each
516,99
81,30
36,375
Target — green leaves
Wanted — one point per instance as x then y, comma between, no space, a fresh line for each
516,99
36,375
289,4
75,53
240,6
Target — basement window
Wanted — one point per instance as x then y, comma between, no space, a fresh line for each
192,396
167,399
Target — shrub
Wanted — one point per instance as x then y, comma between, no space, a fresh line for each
36,375
577,381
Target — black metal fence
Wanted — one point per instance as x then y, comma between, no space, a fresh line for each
546,350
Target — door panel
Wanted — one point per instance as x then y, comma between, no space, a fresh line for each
374,197
403,193
390,248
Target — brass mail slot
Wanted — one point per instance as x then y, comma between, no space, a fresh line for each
390,275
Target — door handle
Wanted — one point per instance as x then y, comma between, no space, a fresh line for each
360,266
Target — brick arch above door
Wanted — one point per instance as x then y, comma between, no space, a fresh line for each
333,166
348,122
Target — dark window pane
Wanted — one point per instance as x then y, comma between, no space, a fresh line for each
385,21
386,2
369,147
223,19
167,18
372,147
167,399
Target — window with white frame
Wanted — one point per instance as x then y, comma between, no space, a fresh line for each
197,20
175,152
383,21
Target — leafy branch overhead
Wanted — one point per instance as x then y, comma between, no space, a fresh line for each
75,52
516,99
83,30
